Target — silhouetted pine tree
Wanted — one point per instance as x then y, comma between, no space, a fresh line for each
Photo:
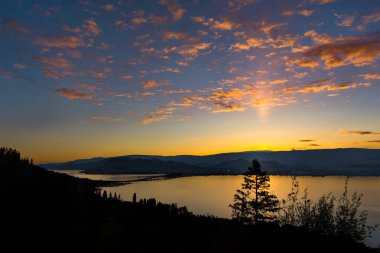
134,198
253,203
104,194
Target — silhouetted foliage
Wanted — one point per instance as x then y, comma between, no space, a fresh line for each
253,203
134,198
104,194
327,216
44,211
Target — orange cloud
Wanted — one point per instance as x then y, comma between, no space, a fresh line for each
72,94
300,75
321,2
15,25
288,13
249,43
269,28
54,61
234,93
169,35
304,12
193,50
279,81
236,5
91,28
272,101
318,38
174,8
345,21
230,106
59,41
359,51
224,24
53,73
223,101
370,76
139,20
160,114
122,24
282,41
74,54
158,20
375,17
179,91
183,63
66,28
153,84
323,88
127,77
109,7
199,19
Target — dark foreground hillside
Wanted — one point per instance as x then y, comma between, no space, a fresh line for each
46,211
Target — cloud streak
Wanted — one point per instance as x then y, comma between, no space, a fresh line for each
15,25
149,84
59,41
358,132
72,94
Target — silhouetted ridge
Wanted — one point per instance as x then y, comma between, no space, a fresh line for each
120,165
350,162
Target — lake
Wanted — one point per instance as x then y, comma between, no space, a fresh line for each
211,195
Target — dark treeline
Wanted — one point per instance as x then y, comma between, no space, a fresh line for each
47,211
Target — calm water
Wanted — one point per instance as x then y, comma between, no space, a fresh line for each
108,177
212,194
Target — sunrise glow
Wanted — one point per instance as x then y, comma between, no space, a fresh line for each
90,78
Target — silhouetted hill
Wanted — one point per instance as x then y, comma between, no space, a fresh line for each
120,165
44,211
360,162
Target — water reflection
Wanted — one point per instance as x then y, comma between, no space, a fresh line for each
213,194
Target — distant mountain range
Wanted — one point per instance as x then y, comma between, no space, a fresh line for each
349,162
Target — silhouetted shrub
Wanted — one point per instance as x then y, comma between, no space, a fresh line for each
327,216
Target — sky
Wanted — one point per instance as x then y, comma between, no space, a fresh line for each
87,78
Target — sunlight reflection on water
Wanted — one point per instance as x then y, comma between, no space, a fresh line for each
212,194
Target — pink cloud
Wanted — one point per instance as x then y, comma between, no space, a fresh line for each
15,25
72,94
59,41
174,8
